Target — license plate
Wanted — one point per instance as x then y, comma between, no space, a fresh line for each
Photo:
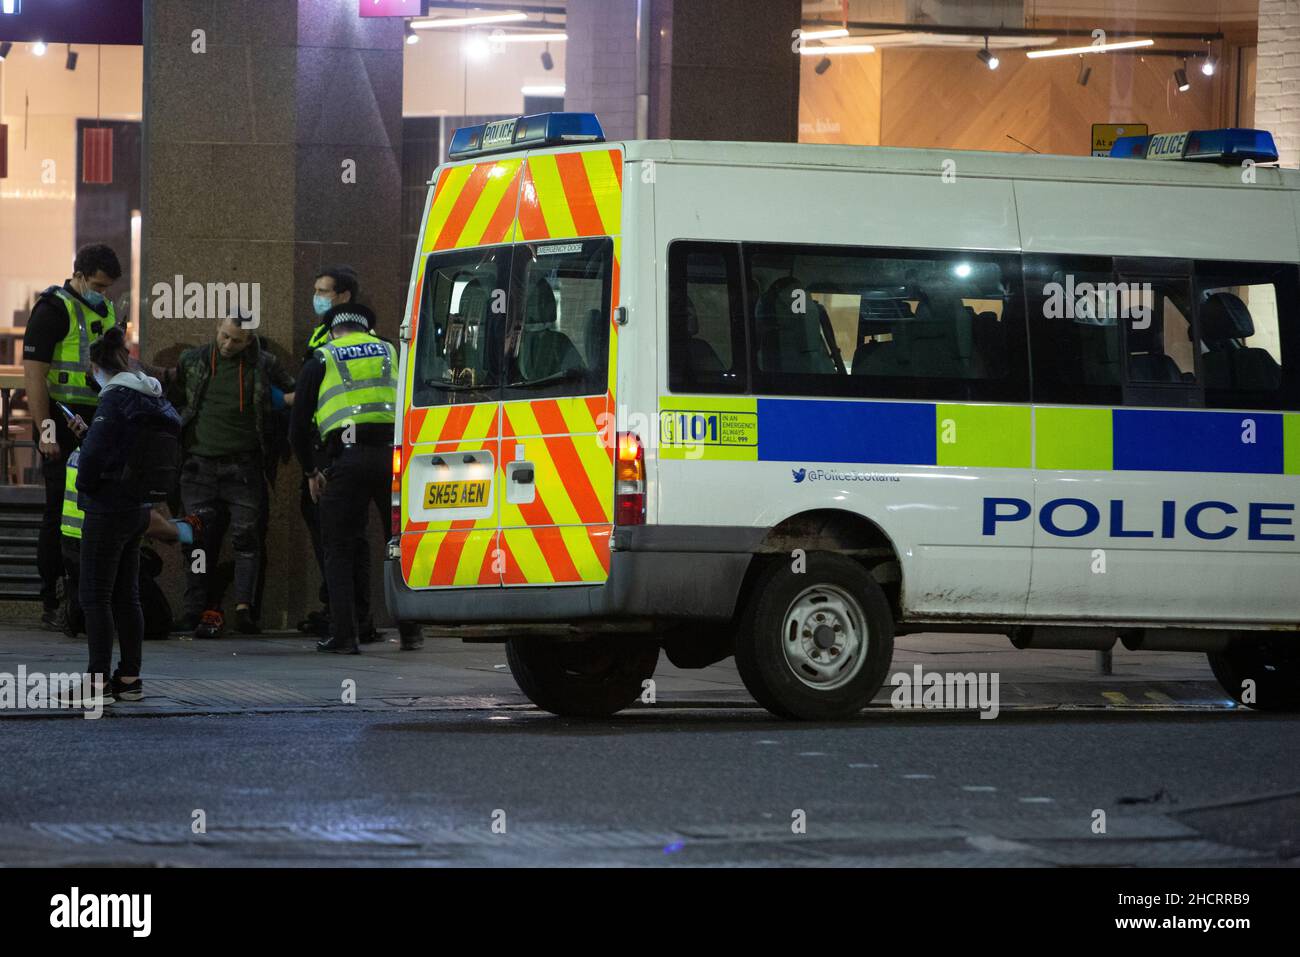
465,494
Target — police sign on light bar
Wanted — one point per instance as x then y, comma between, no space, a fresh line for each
541,129
1214,146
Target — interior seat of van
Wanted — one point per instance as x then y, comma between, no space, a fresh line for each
544,351
1230,363
790,341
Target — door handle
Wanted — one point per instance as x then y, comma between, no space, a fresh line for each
522,476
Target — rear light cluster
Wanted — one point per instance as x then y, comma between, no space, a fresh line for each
397,491
629,480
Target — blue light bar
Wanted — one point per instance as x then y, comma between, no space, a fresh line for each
1213,146
526,132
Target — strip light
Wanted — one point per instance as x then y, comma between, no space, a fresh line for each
443,22
542,90
841,48
1090,48
834,34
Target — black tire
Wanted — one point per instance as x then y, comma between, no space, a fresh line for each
1272,662
760,644
589,678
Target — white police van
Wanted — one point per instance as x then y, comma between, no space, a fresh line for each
788,401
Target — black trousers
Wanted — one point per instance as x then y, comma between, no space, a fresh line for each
49,549
358,477
110,587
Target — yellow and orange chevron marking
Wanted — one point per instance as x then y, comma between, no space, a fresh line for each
563,535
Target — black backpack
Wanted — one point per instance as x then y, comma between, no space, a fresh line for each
153,462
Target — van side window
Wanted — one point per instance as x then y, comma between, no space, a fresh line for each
1247,313
1074,328
886,323
558,338
706,333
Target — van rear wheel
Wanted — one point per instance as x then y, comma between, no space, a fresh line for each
1260,672
815,645
587,678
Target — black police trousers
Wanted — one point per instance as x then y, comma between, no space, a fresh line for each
358,476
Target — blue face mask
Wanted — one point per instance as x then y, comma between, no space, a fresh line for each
93,299
322,304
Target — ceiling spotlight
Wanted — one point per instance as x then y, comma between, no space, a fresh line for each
411,35
1208,65
548,61
987,58
5,47
1180,78
1085,71
39,48
477,47
822,66
71,62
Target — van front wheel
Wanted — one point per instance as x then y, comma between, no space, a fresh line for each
815,644
588,678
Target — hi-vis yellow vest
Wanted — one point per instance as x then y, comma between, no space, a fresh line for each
73,516
360,385
69,376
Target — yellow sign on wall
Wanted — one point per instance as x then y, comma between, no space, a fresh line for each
1104,135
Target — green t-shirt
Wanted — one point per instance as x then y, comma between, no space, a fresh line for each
223,424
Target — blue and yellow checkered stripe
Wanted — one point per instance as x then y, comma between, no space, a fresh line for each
715,428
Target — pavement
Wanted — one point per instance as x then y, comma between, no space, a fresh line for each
282,672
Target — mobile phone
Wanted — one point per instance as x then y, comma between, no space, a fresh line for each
67,413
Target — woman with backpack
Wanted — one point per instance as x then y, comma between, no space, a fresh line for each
128,459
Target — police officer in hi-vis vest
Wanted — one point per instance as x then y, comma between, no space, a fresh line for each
61,395
333,286
347,395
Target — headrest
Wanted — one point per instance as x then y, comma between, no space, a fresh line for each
541,305
1225,316
779,299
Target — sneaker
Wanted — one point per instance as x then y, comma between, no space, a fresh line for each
185,624
244,622
210,625
126,692
80,697
52,619
368,634
412,642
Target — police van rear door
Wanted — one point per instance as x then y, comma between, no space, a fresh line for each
559,362
451,424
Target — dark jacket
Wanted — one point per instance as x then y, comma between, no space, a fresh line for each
194,371
130,401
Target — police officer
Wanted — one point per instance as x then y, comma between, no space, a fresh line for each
56,365
333,286
347,396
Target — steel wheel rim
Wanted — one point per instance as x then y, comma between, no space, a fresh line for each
824,637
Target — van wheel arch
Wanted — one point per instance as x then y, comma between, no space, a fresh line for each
830,530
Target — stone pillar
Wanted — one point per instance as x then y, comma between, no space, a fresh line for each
719,70
724,70
1277,77
253,128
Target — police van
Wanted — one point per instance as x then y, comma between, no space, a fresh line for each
785,402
